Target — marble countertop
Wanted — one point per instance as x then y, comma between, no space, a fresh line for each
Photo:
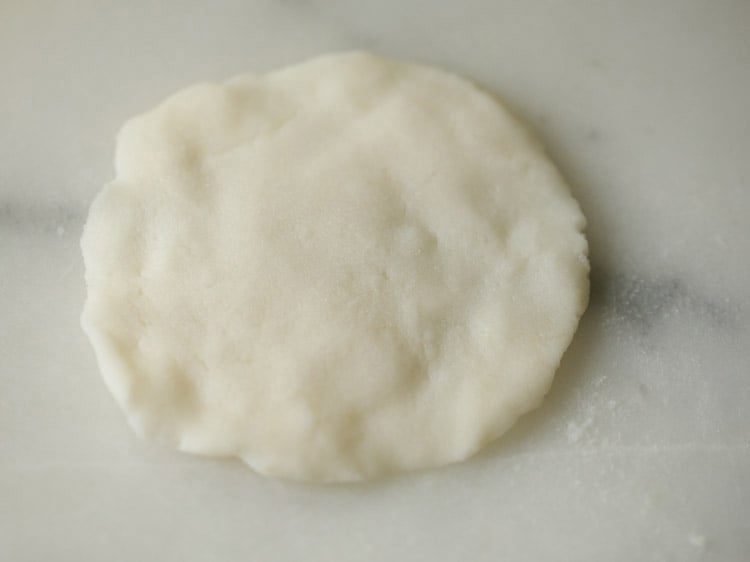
641,450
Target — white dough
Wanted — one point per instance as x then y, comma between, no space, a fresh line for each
333,271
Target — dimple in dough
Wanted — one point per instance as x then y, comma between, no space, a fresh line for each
336,270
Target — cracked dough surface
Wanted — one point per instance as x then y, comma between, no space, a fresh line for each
336,270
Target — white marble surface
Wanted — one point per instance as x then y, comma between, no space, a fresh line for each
642,449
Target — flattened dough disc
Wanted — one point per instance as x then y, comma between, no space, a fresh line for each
336,270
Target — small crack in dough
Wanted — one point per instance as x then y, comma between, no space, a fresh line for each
334,271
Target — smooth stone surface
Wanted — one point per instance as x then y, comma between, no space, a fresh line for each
642,448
